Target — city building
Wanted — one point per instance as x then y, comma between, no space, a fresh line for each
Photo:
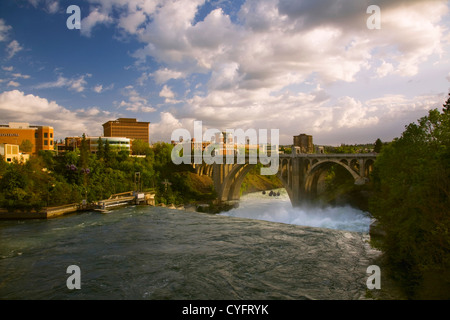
41,137
116,144
127,127
222,146
10,152
303,143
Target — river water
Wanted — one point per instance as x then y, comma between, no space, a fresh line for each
263,250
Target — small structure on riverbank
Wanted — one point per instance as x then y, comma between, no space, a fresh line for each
115,201
126,198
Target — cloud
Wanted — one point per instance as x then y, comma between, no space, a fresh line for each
135,102
13,84
258,67
132,21
168,94
162,130
4,30
94,18
330,120
280,43
40,111
385,69
276,43
163,75
51,6
99,88
74,84
12,48
19,75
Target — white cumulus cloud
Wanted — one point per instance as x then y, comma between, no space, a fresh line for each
40,111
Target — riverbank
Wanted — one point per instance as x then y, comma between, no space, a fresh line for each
115,201
46,213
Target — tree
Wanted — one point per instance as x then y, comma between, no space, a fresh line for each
411,201
378,146
108,154
3,165
12,186
140,147
447,105
84,152
100,149
26,146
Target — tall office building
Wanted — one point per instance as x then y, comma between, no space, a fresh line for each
127,127
304,143
41,137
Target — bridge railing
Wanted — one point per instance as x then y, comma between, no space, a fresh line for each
236,159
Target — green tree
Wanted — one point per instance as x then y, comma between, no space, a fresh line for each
140,147
378,146
447,105
3,165
411,201
13,187
84,152
26,146
100,149
108,154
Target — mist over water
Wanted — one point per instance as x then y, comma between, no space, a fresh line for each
279,209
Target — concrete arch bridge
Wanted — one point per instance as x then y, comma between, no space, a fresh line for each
300,174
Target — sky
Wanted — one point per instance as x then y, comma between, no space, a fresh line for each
300,66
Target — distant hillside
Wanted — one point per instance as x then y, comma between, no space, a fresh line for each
254,182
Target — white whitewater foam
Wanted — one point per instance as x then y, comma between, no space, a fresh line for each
279,209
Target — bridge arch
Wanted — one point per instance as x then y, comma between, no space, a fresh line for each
316,171
231,186
301,175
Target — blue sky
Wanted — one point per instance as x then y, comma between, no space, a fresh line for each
299,66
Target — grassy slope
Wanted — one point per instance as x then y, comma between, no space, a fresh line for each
253,182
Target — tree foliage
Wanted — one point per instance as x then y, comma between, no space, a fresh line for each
140,147
47,179
378,146
411,202
26,146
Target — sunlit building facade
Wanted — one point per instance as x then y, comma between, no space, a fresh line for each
41,137
127,127
116,144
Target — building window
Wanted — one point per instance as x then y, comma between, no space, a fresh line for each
45,142
51,142
45,135
51,135
35,135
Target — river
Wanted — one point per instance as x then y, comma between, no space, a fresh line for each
262,250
